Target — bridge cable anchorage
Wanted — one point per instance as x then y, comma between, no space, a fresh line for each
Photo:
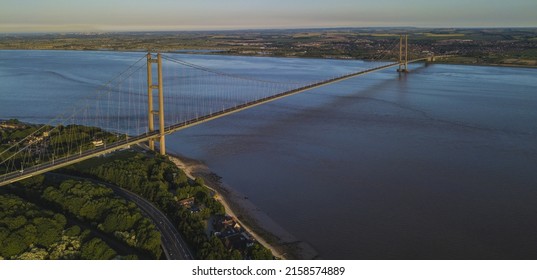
118,115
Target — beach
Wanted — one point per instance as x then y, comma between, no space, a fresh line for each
257,223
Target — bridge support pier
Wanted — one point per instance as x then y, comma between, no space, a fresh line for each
151,109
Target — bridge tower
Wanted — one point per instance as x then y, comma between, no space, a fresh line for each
403,59
151,112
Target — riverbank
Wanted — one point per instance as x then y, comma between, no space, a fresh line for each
257,223
485,64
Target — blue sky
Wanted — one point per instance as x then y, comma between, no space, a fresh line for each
120,15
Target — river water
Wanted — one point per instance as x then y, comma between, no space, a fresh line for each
439,163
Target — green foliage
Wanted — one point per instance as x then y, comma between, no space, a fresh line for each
28,232
21,133
41,234
73,231
30,235
153,178
15,222
199,181
236,255
12,246
97,249
48,230
175,177
214,250
149,177
67,249
156,178
120,221
21,225
35,253
32,181
98,204
203,196
258,252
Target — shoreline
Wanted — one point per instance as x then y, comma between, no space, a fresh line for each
258,224
485,64
223,53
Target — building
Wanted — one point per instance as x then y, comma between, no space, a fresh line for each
97,143
188,202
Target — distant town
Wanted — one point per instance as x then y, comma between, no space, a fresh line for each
493,46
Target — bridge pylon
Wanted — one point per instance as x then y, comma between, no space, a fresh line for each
403,55
151,112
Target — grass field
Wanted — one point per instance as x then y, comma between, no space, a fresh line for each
444,35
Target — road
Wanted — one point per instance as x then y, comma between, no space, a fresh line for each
173,244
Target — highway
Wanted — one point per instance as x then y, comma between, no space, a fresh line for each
173,244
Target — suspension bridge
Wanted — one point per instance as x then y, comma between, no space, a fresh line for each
123,112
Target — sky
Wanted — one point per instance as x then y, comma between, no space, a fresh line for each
150,15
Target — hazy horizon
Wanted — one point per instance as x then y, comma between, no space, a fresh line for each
36,16
266,29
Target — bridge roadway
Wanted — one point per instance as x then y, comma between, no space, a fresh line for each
15,176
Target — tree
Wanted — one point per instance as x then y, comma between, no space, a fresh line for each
12,246
33,181
48,231
29,234
259,252
73,231
96,249
14,223
199,181
236,255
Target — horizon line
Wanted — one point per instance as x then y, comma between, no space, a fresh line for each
262,29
